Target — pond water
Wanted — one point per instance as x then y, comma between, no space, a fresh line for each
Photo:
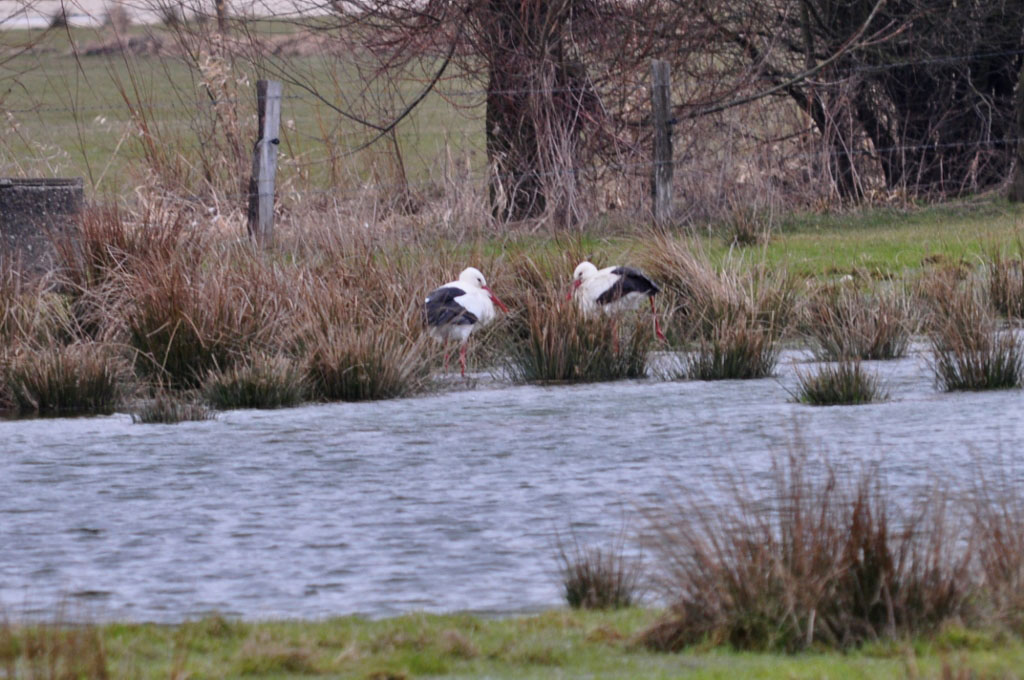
440,503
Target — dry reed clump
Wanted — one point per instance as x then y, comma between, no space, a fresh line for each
551,340
746,225
821,559
168,407
845,323
738,349
64,379
997,515
705,300
52,652
969,352
598,578
186,318
843,383
258,381
1006,282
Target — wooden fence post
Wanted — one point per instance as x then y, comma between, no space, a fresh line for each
661,174
264,162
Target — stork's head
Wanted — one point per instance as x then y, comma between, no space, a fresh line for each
472,276
584,270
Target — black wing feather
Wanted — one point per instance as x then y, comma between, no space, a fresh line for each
630,281
442,309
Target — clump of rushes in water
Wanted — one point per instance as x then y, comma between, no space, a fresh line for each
169,408
820,558
737,349
598,578
969,351
1006,283
845,323
82,378
551,340
257,382
365,362
843,383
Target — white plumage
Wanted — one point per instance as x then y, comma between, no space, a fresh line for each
613,289
455,309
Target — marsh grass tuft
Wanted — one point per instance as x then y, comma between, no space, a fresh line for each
842,383
969,352
1006,282
845,323
81,378
820,558
169,407
259,381
736,350
552,341
366,362
598,578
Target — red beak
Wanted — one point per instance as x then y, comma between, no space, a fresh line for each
575,284
495,300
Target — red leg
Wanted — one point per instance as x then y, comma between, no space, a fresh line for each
657,326
615,335
447,353
462,359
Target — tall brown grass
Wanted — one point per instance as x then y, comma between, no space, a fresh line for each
551,340
599,577
735,350
846,323
704,301
969,351
821,558
64,379
1006,282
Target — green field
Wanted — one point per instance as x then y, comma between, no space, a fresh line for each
555,644
68,114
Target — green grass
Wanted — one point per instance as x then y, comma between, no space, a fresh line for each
555,644
67,117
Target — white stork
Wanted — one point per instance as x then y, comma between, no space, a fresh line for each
612,289
456,308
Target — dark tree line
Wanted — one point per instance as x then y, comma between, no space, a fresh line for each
922,98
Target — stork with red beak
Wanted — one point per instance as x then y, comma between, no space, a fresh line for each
613,289
456,308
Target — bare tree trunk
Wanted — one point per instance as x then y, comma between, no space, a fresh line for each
1016,194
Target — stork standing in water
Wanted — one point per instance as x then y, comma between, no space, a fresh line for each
456,308
612,289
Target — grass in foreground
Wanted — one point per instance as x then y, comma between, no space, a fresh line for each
579,644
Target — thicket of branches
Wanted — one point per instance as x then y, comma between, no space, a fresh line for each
909,97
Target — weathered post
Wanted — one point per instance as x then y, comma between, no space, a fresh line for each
1016,193
222,16
264,162
661,174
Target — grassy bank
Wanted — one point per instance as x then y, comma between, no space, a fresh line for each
558,644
